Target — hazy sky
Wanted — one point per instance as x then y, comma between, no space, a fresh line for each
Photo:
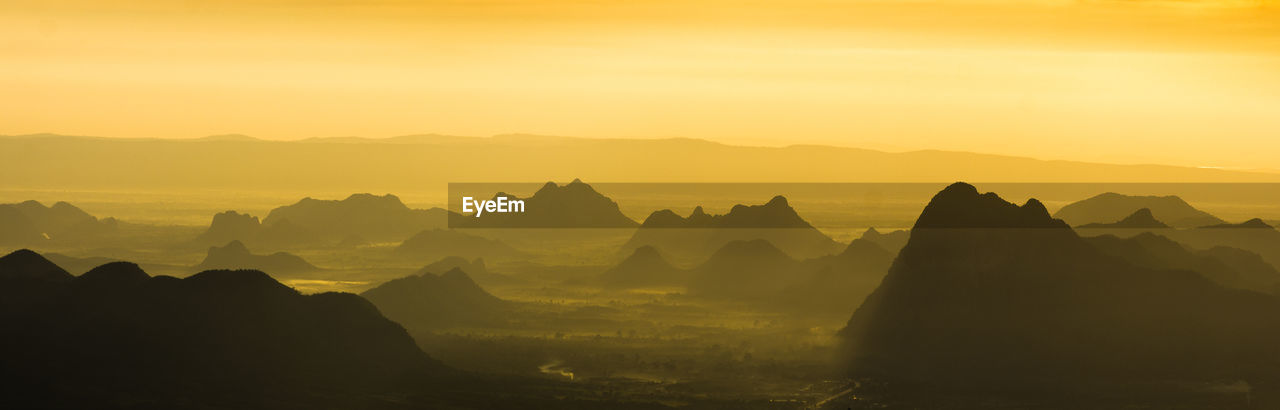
1181,82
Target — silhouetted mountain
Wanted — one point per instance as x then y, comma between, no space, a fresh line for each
757,273
26,264
230,226
1253,235
374,218
1255,223
574,205
1230,267
233,226
424,301
114,275
743,269
474,268
694,238
892,241
234,255
77,265
434,244
17,229
645,267
991,295
1110,207
116,337
31,222
835,285
1140,219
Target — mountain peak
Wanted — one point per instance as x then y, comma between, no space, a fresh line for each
779,201
27,264
235,247
114,274
961,206
1254,223
1140,219
1110,207
457,275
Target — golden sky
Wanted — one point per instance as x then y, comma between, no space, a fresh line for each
1179,82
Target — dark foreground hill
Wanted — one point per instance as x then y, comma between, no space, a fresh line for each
991,295
117,337
1140,219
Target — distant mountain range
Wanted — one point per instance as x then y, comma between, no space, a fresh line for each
352,164
757,273
992,295
29,223
1252,235
366,216
1111,207
234,226
1140,219
234,255
574,205
1230,267
117,337
697,237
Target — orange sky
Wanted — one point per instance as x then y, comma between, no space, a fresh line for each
1178,82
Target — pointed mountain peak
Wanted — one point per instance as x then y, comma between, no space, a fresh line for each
778,201
457,275
960,189
26,263
961,206
1035,206
1142,218
665,218
1255,223
577,181
698,212
871,233
235,246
